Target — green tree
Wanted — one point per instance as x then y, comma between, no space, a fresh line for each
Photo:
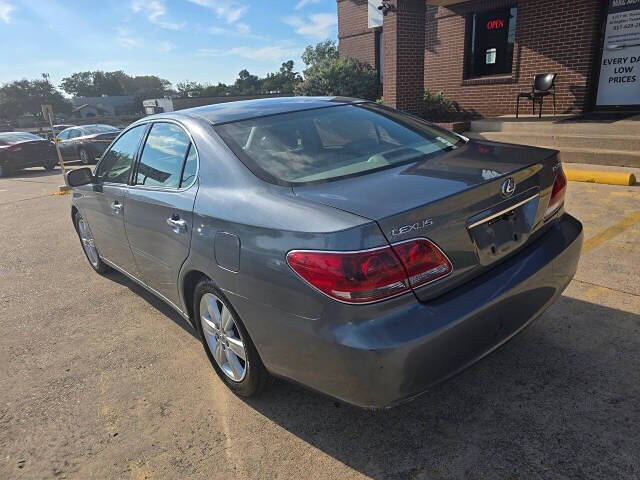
183,88
283,81
247,84
26,96
327,50
97,83
219,90
332,75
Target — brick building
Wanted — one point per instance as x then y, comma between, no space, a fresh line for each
482,53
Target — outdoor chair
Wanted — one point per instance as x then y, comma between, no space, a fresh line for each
543,84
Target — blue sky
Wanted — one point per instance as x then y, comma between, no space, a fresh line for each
200,40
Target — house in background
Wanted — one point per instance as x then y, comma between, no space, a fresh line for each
162,105
105,106
482,53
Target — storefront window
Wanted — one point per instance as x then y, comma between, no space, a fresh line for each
490,39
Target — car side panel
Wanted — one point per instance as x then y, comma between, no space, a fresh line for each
159,251
107,223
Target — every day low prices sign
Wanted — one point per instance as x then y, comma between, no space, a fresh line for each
620,68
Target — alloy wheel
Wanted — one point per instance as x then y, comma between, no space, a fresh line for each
223,337
87,242
84,157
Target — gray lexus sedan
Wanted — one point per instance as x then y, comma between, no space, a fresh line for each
352,248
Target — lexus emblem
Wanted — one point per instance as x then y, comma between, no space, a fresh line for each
508,187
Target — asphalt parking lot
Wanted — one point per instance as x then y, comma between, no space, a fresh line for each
99,379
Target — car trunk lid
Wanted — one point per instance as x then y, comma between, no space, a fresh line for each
455,200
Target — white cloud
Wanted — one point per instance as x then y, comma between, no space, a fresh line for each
243,28
229,10
318,25
304,3
166,46
125,39
155,11
261,54
6,9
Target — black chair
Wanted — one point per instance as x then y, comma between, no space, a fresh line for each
543,84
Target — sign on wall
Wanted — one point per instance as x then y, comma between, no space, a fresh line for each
375,14
619,82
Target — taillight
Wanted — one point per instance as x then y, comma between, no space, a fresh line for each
371,275
557,193
423,260
355,277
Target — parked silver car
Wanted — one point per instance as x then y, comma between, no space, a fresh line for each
347,246
85,143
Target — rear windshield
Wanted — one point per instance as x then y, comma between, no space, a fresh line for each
93,129
17,137
329,143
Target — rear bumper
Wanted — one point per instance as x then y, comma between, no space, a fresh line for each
379,357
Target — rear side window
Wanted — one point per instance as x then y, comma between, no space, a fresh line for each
74,133
163,156
329,143
64,135
115,166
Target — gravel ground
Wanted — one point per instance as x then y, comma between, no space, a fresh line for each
99,379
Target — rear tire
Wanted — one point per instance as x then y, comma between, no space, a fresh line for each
50,165
250,375
88,245
84,157
4,171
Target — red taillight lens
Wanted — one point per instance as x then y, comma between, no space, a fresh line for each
423,260
368,276
354,277
557,193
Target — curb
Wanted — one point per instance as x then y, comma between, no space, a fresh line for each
595,176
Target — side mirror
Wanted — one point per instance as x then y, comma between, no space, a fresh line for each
79,177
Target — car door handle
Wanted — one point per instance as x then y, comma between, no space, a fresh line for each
177,225
116,207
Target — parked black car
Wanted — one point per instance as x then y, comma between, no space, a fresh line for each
23,149
86,143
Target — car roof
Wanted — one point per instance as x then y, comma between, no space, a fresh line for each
246,109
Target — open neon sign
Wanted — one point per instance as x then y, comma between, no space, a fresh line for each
495,24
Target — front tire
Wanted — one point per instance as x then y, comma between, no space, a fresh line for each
4,171
88,244
226,342
83,154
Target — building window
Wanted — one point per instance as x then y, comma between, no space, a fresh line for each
380,54
489,44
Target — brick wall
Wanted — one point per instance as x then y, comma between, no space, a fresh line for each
355,38
424,48
551,36
403,73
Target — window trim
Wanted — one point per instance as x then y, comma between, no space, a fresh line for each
157,188
505,77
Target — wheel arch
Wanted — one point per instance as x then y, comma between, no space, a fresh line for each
74,211
187,289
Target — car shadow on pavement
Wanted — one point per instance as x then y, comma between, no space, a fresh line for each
152,300
558,401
